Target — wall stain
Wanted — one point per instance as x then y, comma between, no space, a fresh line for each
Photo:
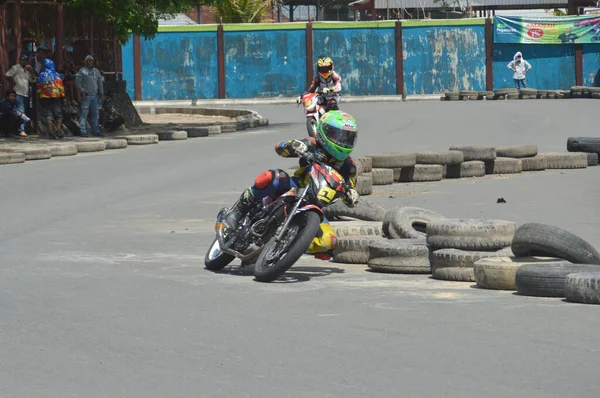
439,59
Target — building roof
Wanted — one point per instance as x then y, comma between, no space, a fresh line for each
177,20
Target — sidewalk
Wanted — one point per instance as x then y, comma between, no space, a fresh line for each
197,122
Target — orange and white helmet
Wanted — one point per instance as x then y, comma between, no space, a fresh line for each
325,67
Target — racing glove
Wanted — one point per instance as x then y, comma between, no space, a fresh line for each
350,199
298,147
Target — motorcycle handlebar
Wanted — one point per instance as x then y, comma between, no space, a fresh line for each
313,158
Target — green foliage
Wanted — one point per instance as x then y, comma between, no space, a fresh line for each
139,17
243,11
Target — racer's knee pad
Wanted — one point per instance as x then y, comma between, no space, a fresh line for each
264,179
324,241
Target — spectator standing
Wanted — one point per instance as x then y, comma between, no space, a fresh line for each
11,118
19,77
51,92
90,85
520,67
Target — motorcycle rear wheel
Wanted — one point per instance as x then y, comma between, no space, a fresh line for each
215,259
311,126
275,258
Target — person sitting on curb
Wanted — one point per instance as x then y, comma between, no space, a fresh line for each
11,118
520,67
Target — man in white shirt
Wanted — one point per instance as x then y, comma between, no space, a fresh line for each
520,67
19,77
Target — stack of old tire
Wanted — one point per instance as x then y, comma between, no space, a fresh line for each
355,228
388,167
455,245
481,160
364,172
588,145
404,251
387,241
547,262
584,92
515,159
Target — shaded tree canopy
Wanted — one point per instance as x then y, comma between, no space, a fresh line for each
139,17
242,11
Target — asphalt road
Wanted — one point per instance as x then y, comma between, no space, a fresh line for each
103,291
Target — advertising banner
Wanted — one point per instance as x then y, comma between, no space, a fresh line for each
548,30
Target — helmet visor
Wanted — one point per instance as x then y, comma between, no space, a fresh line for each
325,69
344,138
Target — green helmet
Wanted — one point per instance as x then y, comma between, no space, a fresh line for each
337,134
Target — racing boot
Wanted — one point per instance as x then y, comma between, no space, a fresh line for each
246,202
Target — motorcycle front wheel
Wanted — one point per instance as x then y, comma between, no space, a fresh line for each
277,257
311,126
215,259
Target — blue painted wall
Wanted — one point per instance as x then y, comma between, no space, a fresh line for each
438,59
591,65
264,63
553,66
127,57
180,66
364,58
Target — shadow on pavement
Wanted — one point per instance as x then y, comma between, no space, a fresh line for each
293,275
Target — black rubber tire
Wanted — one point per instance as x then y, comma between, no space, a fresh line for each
298,247
356,228
353,249
543,240
12,157
592,159
503,166
219,262
522,151
393,160
583,287
382,176
444,158
452,96
364,164
473,168
34,152
583,144
498,273
421,173
547,280
565,160
364,210
528,91
506,91
63,149
458,265
536,163
364,184
475,152
402,256
468,234
408,222
115,144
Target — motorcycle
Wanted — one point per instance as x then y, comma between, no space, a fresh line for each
277,232
313,110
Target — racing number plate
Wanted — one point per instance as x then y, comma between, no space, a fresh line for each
326,194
